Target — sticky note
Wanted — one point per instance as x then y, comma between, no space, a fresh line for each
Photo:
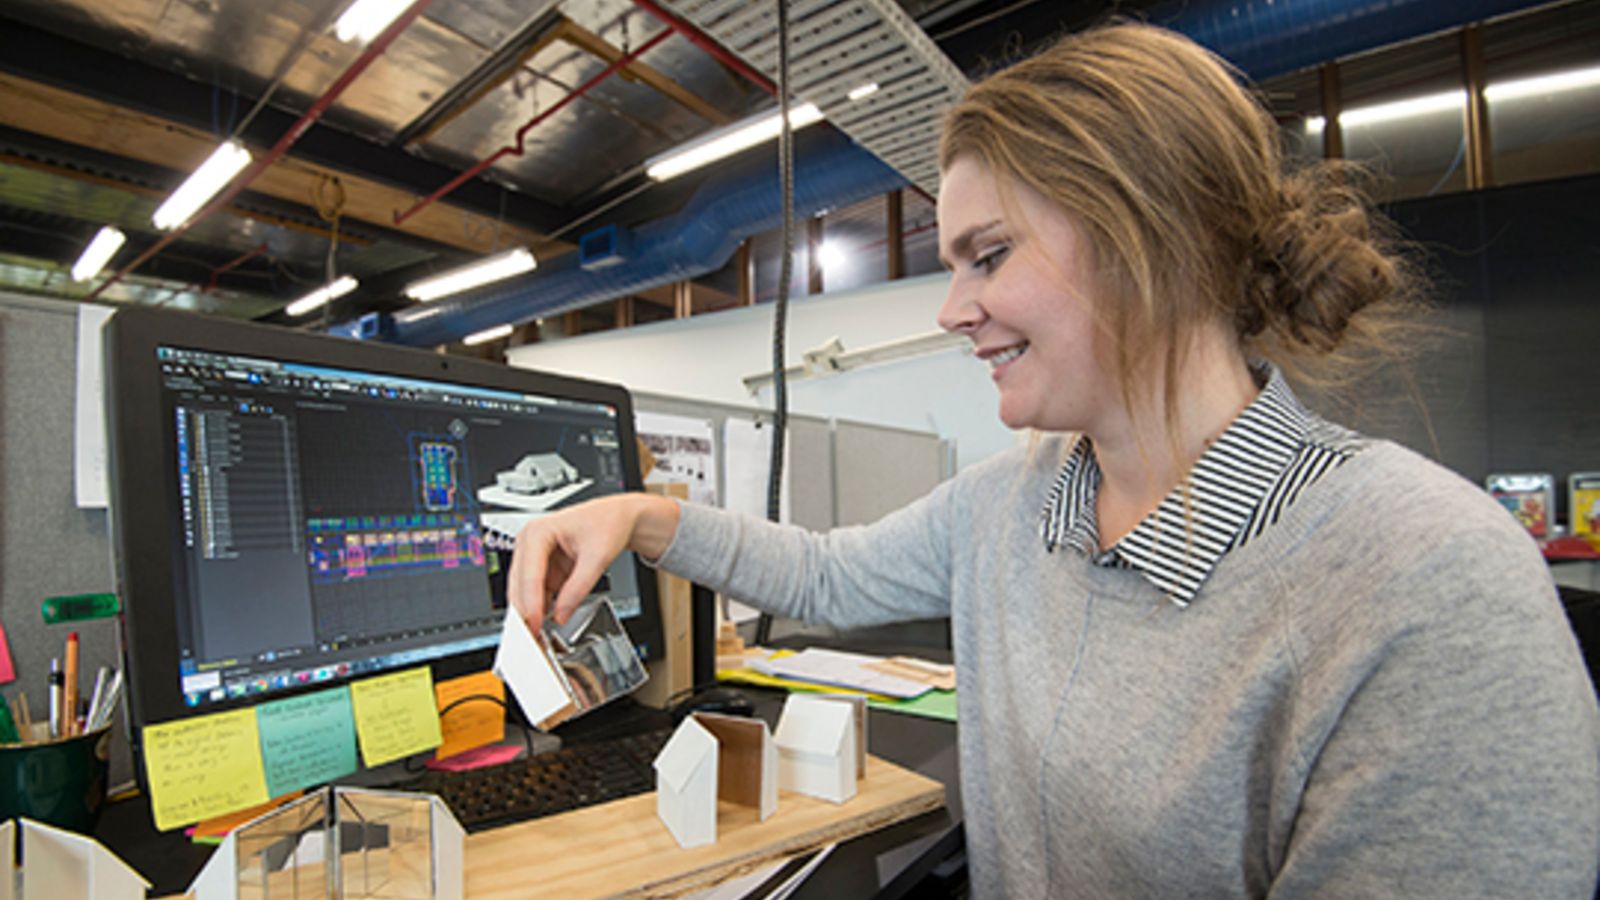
471,723
307,740
8,672
203,767
395,715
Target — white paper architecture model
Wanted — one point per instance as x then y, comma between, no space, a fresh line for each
709,758
820,746
63,865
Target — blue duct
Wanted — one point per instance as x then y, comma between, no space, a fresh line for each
1262,37
1265,38
697,240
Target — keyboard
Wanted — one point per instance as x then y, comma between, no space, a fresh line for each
559,781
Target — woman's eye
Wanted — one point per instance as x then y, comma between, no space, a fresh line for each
991,259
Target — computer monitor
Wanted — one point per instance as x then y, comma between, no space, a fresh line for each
291,510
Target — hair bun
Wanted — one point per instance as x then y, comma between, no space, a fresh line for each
1316,264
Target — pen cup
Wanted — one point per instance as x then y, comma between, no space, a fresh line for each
60,782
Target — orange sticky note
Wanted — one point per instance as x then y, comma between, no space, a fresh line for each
474,722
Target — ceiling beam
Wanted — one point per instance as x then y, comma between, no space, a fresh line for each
64,116
42,56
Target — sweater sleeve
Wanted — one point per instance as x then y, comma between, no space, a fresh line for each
1449,734
895,569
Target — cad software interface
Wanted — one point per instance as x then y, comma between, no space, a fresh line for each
336,522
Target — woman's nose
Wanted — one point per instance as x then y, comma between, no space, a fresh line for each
960,313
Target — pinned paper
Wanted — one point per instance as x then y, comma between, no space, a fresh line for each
306,740
471,723
395,715
203,767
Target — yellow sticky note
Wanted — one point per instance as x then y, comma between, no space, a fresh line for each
203,767
472,723
395,715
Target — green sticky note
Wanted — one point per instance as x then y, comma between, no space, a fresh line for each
307,740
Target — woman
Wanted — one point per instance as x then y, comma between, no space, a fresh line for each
1208,643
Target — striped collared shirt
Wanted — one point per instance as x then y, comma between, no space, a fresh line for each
1238,488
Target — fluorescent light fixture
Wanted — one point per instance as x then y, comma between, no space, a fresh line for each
218,169
1542,84
832,255
366,19
493,268
321,296
487,335
728,141
107,241
864,91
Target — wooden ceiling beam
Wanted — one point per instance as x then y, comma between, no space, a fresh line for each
74,118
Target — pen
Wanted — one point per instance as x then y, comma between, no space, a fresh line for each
69,694
55,697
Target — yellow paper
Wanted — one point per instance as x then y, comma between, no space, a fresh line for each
474,722
203,767
395,715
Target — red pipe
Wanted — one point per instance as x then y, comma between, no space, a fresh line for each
518,148
216,273
709,44
309,118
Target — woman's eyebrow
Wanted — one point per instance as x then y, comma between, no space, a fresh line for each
962,244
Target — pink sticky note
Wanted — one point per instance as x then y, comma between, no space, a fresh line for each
476,758
8,673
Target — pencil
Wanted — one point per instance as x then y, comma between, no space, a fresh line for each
69,692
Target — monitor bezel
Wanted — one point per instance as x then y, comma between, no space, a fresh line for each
139,447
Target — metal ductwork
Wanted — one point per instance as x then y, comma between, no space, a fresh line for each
829,172
1262,37
1265,38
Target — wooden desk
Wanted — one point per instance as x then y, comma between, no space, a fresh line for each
621,849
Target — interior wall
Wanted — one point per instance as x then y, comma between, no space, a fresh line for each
708,356
1502,385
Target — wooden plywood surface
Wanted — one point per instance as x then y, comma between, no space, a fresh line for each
621,849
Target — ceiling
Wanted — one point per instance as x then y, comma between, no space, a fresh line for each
532,121
111,103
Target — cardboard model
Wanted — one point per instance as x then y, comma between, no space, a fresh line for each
686,785
63,865
817,740
343,842
709,758
568,669
747,761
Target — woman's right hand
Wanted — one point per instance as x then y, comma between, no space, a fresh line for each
560,557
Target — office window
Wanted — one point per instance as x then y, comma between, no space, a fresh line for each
1543,93
1403,114
1295,99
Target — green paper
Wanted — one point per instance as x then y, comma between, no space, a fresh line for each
933,705
307,740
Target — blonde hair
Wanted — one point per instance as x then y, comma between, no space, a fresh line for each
1174,174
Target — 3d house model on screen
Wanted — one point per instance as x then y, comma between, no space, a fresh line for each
537,483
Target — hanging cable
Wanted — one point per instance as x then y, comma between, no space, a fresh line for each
329,197
780,313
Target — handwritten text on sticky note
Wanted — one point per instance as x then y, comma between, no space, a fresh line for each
307,740
470,722
203,767
395,715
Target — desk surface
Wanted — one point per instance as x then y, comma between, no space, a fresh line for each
622,849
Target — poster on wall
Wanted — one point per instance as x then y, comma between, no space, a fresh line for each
684,452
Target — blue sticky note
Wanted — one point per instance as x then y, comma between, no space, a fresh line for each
307,740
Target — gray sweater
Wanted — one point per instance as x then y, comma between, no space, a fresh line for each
1379,696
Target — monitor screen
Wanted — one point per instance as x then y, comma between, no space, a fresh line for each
293,510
